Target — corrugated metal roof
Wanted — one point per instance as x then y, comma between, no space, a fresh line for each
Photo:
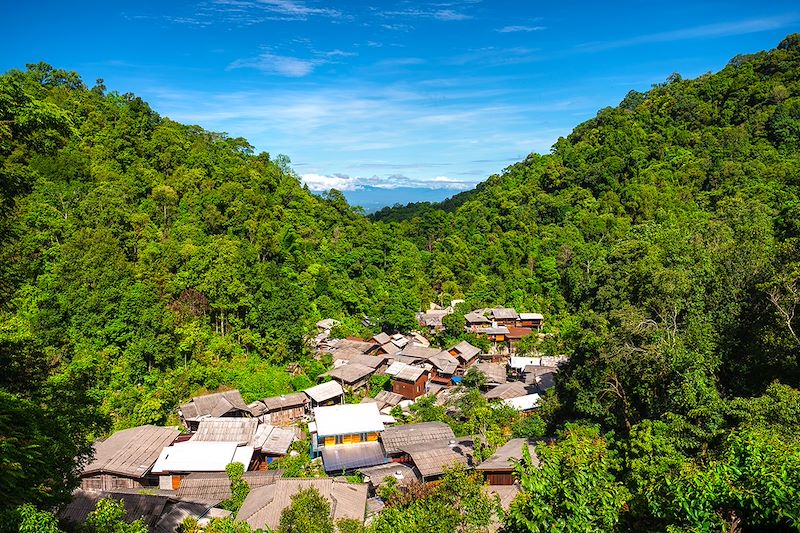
397,438
419,351
348,457
217,404
531,316
137,506
130,452
444,362
494,372
286,401
512,389
350,373
193,456
433,461
503,313
273,440
263,507
523,403
324,391
214,487
382,338
466,351
347,419
238,430
405,372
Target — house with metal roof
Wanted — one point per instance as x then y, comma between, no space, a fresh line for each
352,375
325,393
528,402
347,436
281,410
408,381
238,430
443,368
465,353
530,320
183,458
512,389
263,507
124,460
397,438
431,459
220,404
212,488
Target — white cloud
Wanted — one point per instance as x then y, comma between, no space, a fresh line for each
343,182
725,29
524,29
291,67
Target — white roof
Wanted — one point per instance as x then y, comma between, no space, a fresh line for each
531,316
347,419
395,368
521,362
523,403
325,391
202,456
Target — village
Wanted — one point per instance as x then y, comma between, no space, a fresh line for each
167,474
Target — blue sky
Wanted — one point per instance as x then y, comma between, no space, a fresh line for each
388,95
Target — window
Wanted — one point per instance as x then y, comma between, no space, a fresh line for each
339,439
364,437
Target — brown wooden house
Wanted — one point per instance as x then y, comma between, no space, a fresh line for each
530,320
466,354
499,468
443,368
282,410
408,381
503,316
124,460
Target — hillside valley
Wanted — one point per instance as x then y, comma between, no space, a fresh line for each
144,263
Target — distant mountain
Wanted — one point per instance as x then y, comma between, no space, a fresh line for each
375,198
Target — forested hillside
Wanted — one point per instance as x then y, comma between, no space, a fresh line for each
143,261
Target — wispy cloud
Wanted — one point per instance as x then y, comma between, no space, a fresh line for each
446,15
345,182
298,9
291,67
726,29
520,29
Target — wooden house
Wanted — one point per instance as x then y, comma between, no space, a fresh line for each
352,375
495,333
466,355
503,316
408,381
476,320
530,320
431,459
327,393
347,436
495,373
220,404
282,410
125,459
150,509
499,468
443,368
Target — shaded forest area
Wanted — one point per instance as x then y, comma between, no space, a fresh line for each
142,260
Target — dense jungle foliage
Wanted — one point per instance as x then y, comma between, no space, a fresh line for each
142,261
